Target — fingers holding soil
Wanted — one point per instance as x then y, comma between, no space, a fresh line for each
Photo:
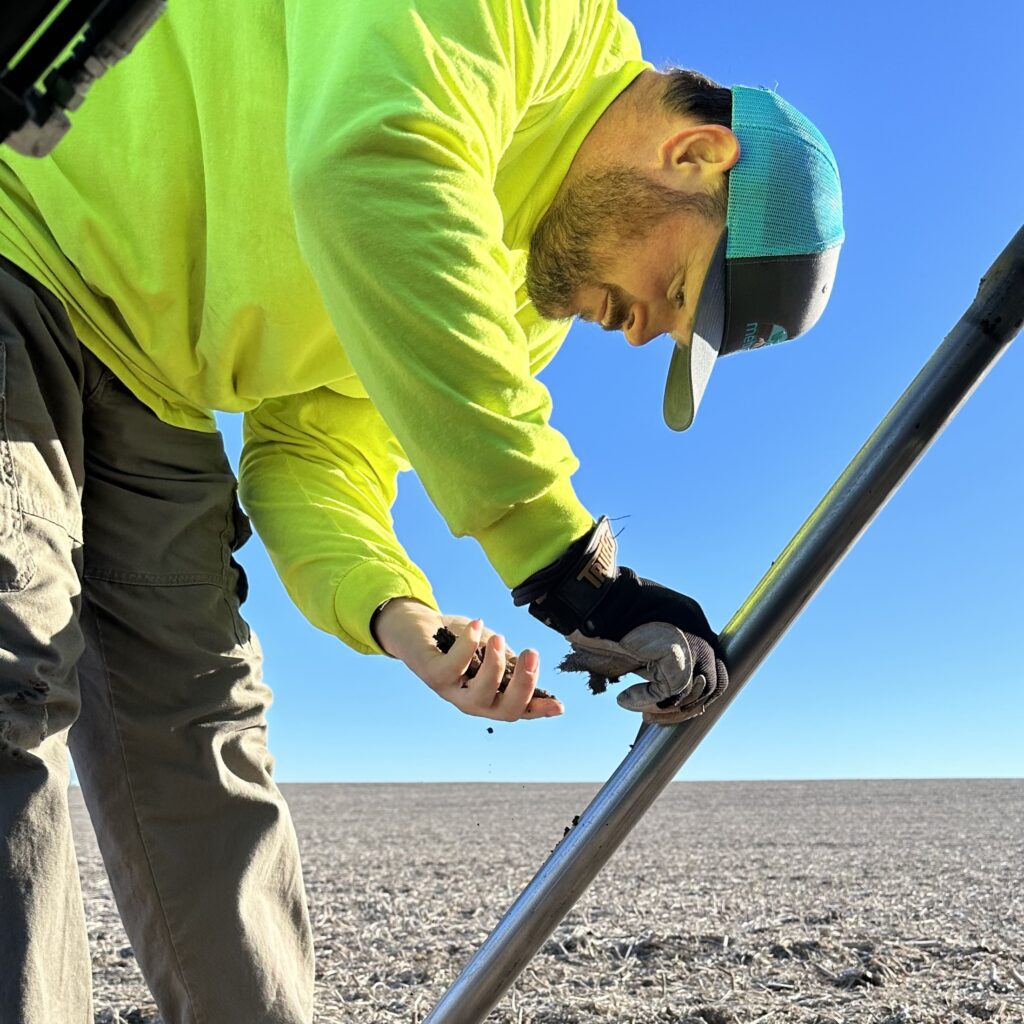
543,707
485,687
519,673
523,698
463,649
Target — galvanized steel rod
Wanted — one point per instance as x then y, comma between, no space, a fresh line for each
913,423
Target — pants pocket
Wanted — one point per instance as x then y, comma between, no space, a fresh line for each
242,530
16,566
236,583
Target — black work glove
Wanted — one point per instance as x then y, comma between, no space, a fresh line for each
619,623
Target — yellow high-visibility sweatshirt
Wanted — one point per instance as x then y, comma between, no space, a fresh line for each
316,212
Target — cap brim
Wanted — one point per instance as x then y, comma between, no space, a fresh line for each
691,365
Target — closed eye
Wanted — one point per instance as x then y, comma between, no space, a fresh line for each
618,312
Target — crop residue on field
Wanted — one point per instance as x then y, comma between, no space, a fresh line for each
732,903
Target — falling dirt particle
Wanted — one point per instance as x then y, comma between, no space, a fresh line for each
489,729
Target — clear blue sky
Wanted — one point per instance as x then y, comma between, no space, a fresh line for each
909,662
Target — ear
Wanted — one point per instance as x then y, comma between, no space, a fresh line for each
694,154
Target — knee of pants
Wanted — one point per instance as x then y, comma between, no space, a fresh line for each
40,645
30,713
168,659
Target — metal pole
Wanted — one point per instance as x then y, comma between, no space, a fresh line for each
931,401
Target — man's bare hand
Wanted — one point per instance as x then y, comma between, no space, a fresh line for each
405,629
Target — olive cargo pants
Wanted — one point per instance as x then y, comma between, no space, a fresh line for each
121,637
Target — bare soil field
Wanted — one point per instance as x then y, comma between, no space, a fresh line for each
731,903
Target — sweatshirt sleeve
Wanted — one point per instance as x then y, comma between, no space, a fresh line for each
318,476
398,114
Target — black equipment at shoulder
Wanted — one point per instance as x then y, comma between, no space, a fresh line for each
36,91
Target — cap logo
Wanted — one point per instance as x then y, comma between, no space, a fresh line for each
760,333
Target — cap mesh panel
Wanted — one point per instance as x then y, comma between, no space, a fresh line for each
784,192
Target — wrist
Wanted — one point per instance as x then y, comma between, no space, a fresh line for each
564,594
386,619
373,623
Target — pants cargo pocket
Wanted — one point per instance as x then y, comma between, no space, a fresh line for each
237,583
16,566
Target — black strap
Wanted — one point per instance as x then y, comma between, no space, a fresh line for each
565,593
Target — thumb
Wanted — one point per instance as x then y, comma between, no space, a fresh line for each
670,677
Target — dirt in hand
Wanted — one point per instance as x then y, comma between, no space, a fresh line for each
444,638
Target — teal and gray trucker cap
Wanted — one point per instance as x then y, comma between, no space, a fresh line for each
771,275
